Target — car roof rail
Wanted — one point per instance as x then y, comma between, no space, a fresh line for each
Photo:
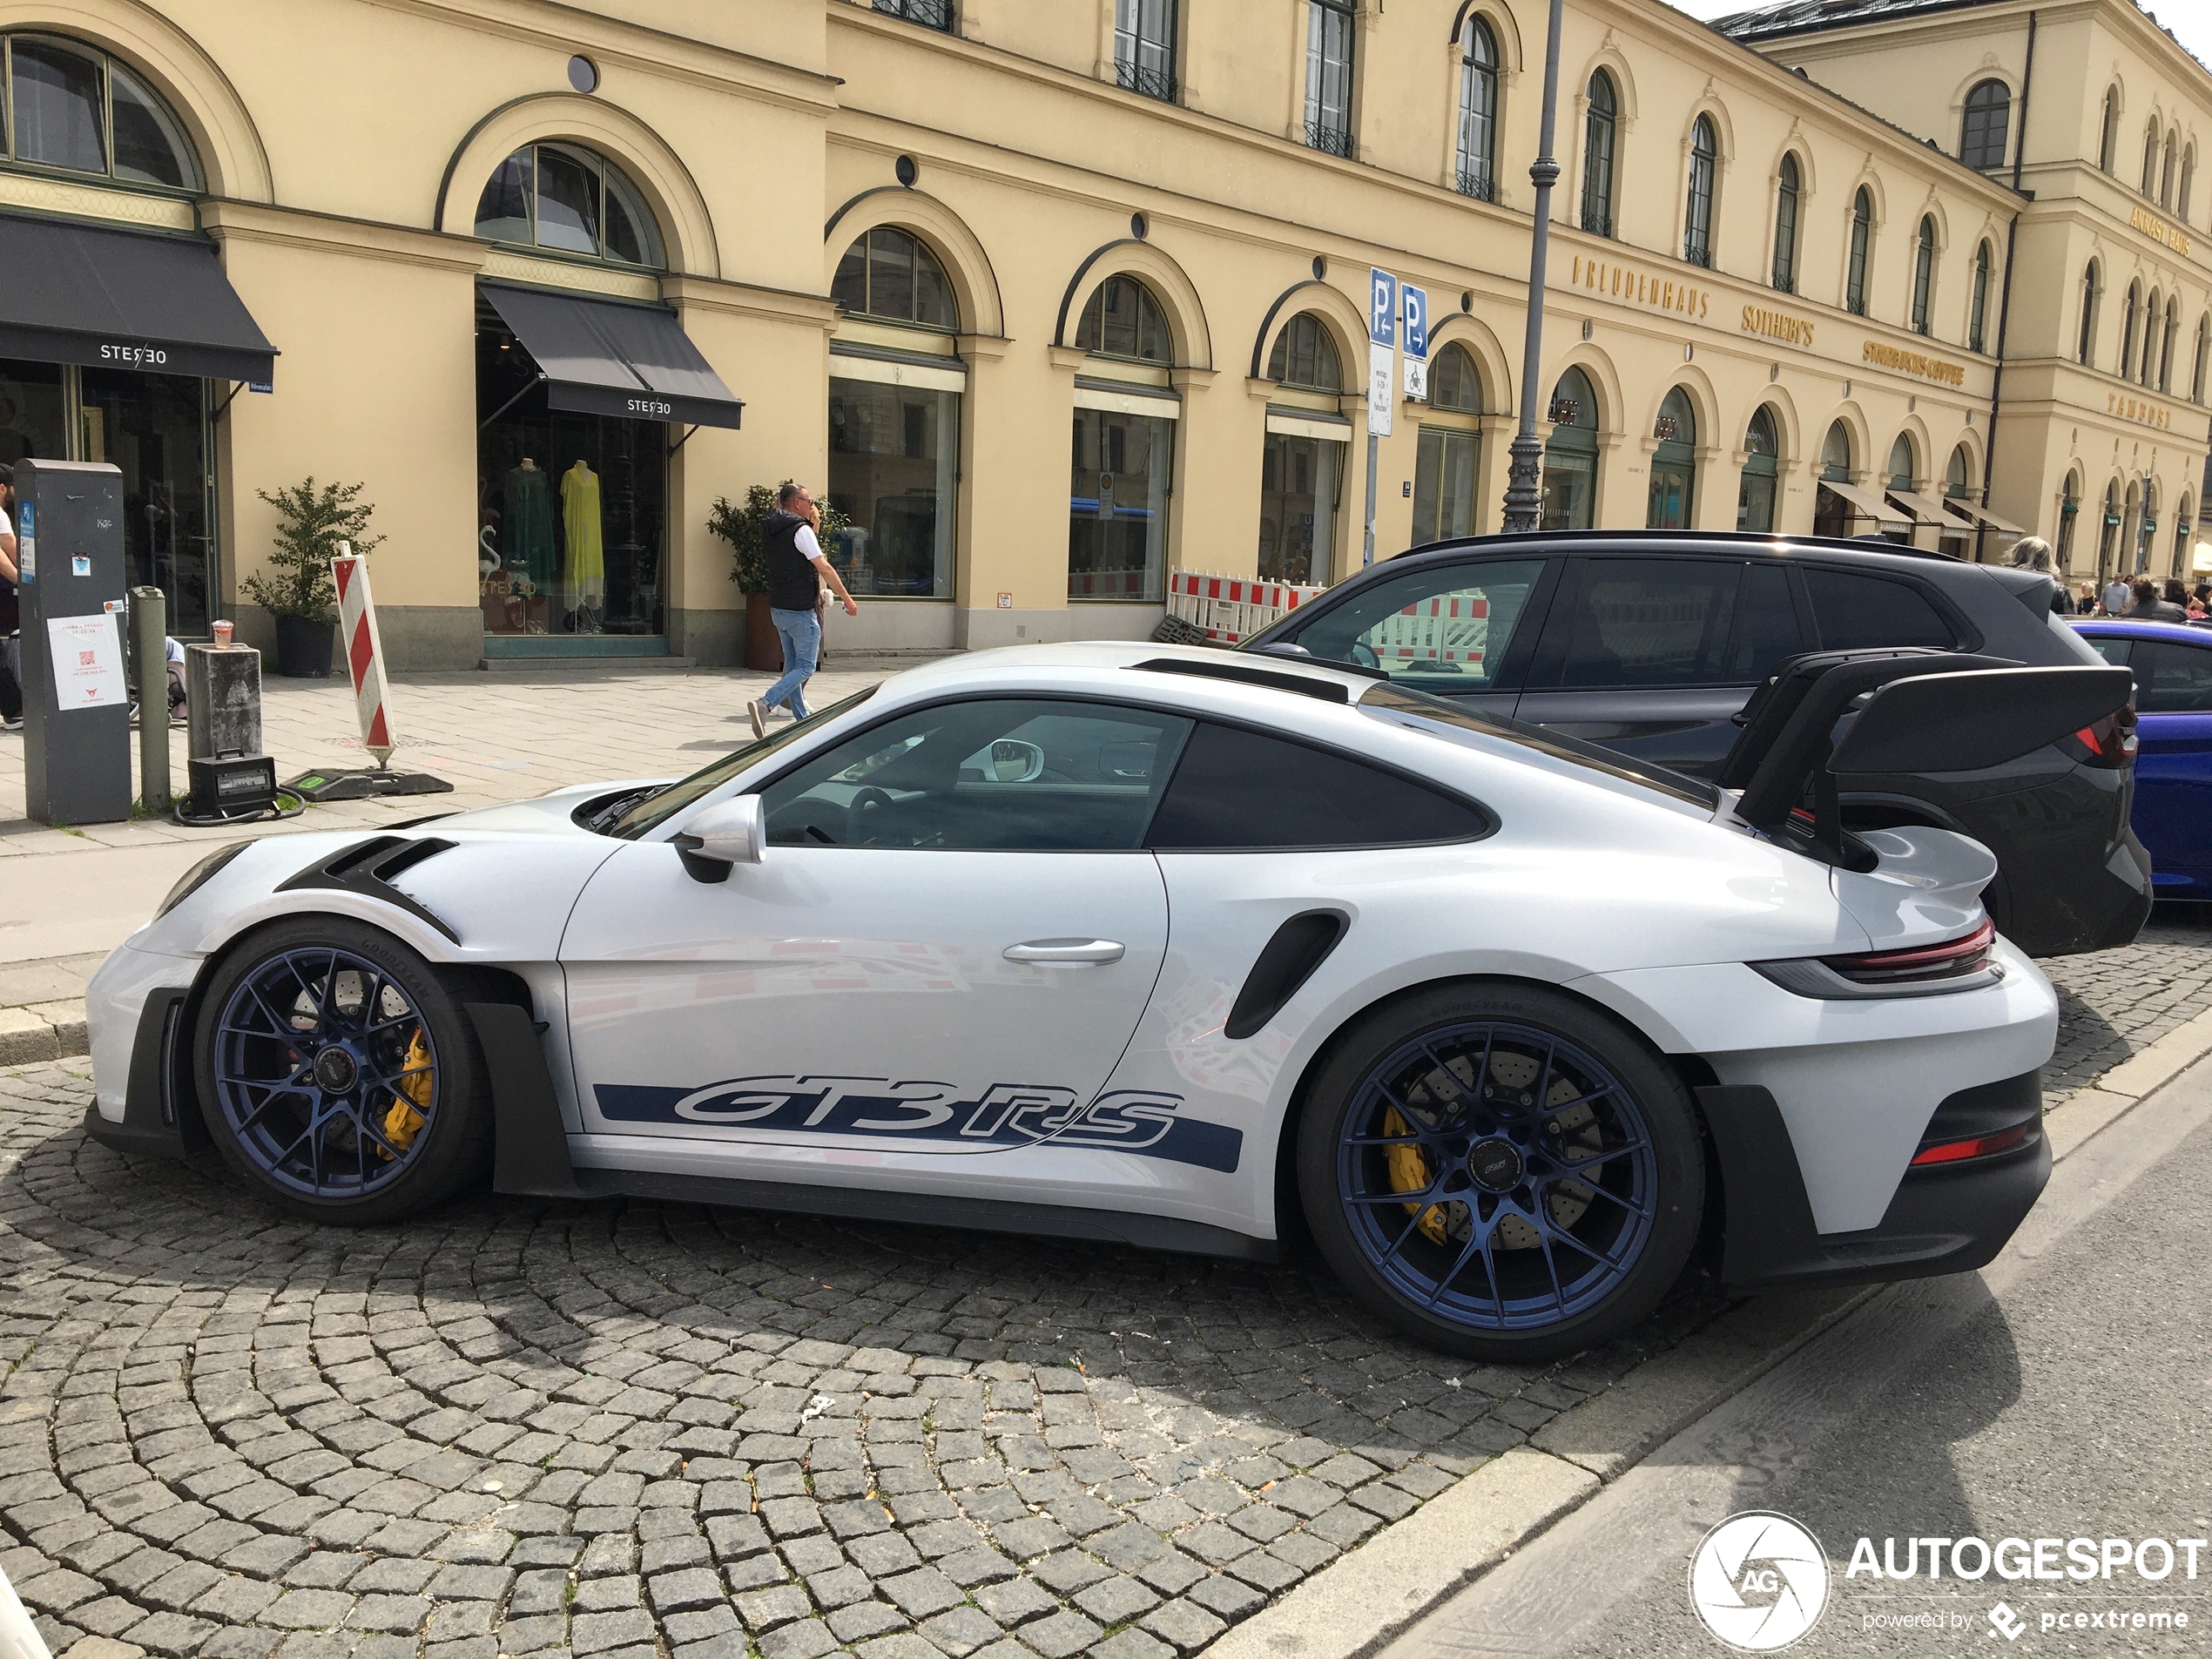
1584,540
1228,668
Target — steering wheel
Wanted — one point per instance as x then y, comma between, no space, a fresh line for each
1363,654
868,809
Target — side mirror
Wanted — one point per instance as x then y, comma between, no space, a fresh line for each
734,832
1013,761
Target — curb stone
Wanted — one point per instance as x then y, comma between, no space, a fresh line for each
1358,1604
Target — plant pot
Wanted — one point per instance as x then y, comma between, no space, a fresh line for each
303,647
764,648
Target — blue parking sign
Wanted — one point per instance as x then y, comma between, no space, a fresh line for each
1415,304
1382,308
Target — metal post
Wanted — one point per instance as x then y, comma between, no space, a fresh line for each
150,653
1524,485
1374,462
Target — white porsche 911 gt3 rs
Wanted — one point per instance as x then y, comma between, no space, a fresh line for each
1143,944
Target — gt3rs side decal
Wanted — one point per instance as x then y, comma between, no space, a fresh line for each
1134,1121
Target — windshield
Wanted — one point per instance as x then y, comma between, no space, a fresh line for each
663,804
1399,699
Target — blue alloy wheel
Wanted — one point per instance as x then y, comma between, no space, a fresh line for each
326,1073
1497,1177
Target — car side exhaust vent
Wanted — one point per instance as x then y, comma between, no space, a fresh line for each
1288,960
368,869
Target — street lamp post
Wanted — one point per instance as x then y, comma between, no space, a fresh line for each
1524,492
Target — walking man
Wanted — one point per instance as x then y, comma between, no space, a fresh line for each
797,569
2115,595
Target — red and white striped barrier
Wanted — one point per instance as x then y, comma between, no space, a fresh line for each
1452,627
364,650
1232,608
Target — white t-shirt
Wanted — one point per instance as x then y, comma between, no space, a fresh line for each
2116,595
808,544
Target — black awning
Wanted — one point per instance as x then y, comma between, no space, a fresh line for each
78,294
613,357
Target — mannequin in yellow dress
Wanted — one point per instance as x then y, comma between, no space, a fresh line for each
587,570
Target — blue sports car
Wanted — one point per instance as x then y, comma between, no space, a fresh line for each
2172,664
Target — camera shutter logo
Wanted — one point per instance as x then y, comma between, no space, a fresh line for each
1759,1581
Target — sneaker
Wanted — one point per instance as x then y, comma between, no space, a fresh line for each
758,711
14,725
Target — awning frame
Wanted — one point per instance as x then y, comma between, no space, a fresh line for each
614,358
1928,511
1869,505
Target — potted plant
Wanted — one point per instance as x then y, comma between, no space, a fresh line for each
295,587
740,527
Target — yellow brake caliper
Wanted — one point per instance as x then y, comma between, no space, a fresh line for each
408,1114
1409,1172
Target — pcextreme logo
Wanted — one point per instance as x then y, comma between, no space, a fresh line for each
1759,1581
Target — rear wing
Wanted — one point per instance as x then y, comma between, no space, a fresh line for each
1925,712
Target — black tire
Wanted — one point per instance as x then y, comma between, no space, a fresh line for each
1461,1243
449,1149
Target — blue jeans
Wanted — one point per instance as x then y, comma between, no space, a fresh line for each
802,632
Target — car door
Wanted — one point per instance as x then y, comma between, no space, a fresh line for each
1655,656
1461,629
2173,811
950,935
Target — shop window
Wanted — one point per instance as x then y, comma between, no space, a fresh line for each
1785,226
1989,114
1674,464
1449,449
1923,273
1117,507
2085,348
1957,485
894,474
1144,47
72,107
1330,31
1124,320
2109,541
1833,515
930,14
1478,156
1978,306
1305,356
2069,510
1599,129
889,275
1755,489
1570,454
1901,463
1862,230
568,199
2184,529
1301,480
1704,161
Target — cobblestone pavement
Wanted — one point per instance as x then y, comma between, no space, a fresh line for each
517,1427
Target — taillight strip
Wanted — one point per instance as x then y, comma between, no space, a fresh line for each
1950,950
1978,1146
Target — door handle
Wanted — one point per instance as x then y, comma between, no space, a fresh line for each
1100,951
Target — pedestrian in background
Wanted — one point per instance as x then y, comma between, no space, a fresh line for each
796,570
10,609
2149,607
2034,553
2087,605
2115,596
2176,593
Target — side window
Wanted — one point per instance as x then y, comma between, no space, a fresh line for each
2171,679
1651,622
1003,774
1855,612
2112,647
1445,629
1239,789
1766,624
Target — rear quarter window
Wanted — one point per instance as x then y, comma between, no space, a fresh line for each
1858,612
1235,789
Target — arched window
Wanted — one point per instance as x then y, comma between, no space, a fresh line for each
1977,307
2166,345
2188,184
76,108
2085,351
2147,525
1570,454
2203,346
1454,382
1704,161
1599,130
890,275
1958,476
2149,361
1862,228
1755,488
2166,168
1124,320
1901,463
1305,356
1674,464
1989,114
1785,226
1477,165
1833,515
2127,323
1923,273
571,200
2069,510
2109,542
2150,156
2182,526
2108,129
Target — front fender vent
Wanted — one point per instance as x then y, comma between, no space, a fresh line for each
367,869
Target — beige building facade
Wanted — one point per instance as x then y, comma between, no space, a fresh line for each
1046,301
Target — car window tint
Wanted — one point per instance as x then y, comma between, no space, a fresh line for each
1855,612
2171,679
1651,622
1766,624
2112,648
1003,774
1235,788
1444,628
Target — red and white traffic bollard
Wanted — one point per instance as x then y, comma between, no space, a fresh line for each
364,651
